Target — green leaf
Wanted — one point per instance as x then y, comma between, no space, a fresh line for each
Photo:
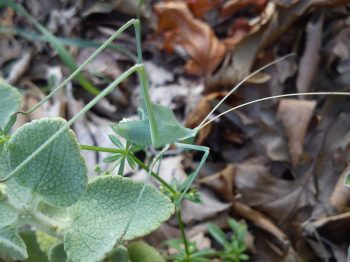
7,215
115,140
100,216
112,158
55,212
19,196
58,174
10,102
119,254
4,161
35,253
217,234
57,253
142,252
11,243
131,162
45,241
121,167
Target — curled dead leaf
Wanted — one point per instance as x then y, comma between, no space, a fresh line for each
232,6
176,22
341,194
295,115
222,182
200,7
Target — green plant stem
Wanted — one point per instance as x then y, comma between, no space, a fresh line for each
102,149
62,52
65,41
32,216
46,224
182,230
136,159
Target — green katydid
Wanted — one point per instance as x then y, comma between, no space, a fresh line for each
157,126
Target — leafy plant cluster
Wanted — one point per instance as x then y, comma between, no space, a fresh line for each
233,248
52,193
44,183
77,219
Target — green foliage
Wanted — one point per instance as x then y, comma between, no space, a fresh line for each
62,52
123,155
52,193
234,247
10,101
58,173
100,216
119,254
189,254
35,253
142,252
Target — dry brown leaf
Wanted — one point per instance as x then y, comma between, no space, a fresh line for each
295,115
335,228
196,37
222,182
308,65
200,7
280,199
232,6
209,208
237,65
341,194
19,68
261,221
285,17
199,113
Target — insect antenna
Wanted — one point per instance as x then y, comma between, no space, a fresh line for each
270,98
238,85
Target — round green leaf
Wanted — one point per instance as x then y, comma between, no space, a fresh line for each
19,197
35,254
57,253
14,196
100,216
4,161
142,252
10,102
11,243
7,215
58,173
118,254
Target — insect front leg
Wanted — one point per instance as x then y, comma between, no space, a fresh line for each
153,163
205,151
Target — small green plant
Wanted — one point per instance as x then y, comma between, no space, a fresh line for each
234,247
43,177
189,252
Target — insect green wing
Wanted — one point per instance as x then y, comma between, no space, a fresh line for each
168,128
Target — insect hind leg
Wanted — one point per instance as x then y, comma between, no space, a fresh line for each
205,151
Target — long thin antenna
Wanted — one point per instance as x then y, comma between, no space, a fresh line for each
270,98
241,83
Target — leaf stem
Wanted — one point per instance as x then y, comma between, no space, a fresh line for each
102,149
182,230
